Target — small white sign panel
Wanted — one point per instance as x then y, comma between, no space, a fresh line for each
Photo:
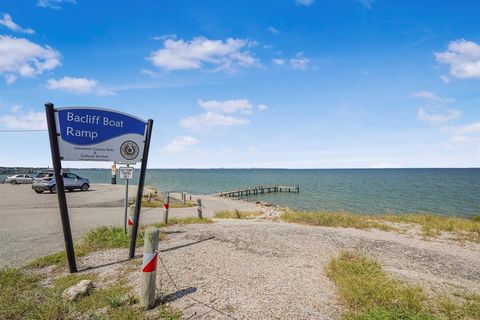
126,172
93,134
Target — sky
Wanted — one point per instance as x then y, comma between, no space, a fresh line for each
241,84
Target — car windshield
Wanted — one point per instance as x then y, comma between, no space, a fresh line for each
44,175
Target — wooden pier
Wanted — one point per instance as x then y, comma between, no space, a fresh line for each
259,190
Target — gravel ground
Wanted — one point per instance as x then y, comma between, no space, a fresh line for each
261,269
258,269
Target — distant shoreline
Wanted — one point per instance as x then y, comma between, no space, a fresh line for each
2,169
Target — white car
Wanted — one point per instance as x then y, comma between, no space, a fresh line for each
19,178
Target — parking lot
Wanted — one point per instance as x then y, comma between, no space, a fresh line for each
100,195
30,225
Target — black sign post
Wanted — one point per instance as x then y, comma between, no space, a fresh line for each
141,183
62,199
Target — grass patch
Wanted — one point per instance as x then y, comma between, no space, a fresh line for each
333,219
186,220
167,313
432,225
113,297
236,214
22,297
101,238
369,293
55,259
157,203
18,294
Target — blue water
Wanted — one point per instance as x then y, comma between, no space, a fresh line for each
442,191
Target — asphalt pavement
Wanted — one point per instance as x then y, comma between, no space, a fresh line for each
30,225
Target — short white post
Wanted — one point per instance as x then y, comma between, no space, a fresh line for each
199,208
149,267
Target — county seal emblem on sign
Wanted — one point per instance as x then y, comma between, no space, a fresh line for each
129,150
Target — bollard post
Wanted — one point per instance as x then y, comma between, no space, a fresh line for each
114,174
199,208
130,220
190,198
166,206
184,197
149,267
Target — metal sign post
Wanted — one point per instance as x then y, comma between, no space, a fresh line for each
62,199
141,183
95,134
127,174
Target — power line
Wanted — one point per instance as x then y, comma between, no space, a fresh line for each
21,131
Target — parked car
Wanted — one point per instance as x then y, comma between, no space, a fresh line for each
45,181
19,178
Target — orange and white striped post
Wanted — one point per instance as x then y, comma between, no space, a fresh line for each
130,225
149,267
166,206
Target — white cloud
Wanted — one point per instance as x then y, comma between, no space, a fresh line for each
210,120
445,79
78,86
279,62
463,134
149,73
7,21
218,114
10,78
366,3
227,106
299,62
15,108
304,2
463,57
19,56
194,54
438,118
424,94
428,95
180,144
463,139
54,4
469,128
273,30
165,37
30,120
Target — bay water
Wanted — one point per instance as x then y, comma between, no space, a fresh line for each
367,191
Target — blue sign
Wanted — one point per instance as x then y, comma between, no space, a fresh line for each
92,134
